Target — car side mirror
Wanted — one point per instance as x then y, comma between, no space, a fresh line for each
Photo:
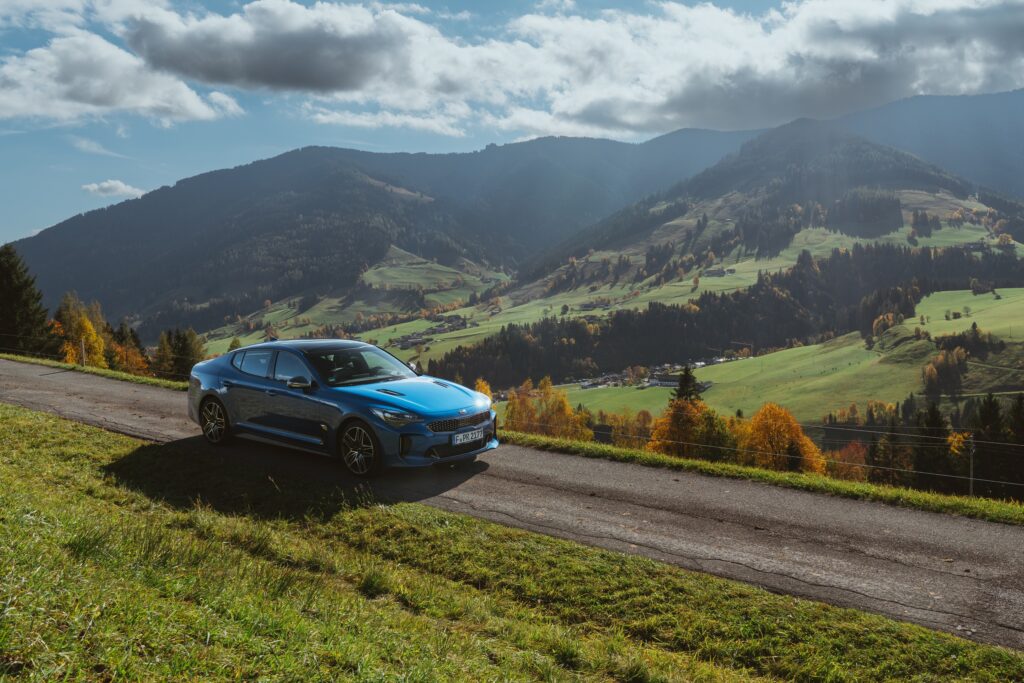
299,383
412,366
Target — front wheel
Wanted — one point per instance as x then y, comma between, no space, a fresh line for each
213,419
359,449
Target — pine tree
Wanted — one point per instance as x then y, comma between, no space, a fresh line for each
163,360
687,389
236,343
188,349
1015,418
22,316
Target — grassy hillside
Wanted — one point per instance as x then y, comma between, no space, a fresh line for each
124,560
813,380
391,286
751,213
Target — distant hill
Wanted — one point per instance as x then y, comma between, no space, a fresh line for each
218,244
801,175
979,137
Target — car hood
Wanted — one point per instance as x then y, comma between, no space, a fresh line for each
425,396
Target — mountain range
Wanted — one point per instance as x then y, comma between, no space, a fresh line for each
327,224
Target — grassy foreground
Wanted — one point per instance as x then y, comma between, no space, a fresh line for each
124,560
102,372
981,508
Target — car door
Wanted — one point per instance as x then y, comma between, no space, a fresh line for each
298,414
247,396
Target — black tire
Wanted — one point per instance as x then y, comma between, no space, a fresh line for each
359,449
214,421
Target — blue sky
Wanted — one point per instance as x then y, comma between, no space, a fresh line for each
103,99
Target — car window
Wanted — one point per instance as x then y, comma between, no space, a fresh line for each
256,362
353,365
236,359
289,366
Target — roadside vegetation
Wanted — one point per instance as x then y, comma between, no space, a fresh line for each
125,560
79,334
1006,512
101,372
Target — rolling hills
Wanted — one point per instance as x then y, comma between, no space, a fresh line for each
786,192
217,246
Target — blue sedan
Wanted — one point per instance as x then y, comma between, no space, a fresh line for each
344,398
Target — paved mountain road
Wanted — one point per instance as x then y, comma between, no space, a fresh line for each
951,573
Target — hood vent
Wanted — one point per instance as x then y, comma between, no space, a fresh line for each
442,384
389,392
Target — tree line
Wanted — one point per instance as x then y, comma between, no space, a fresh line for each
810,302
79,333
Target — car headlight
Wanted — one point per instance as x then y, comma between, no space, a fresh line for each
395,418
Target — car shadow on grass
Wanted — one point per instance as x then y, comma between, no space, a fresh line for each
268,481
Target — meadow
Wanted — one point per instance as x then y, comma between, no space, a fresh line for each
814,380
123,560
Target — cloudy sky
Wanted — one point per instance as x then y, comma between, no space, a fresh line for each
101,100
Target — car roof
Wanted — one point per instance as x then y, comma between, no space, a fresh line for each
307,344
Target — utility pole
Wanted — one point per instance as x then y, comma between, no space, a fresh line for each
971,439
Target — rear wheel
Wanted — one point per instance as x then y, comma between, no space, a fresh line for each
359,449
213,419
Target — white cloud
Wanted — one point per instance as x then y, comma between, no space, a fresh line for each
113,188
92,147
83,75
434,122
557,70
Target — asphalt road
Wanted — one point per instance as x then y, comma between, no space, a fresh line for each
946,572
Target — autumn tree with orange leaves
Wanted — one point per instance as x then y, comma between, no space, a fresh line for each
690,429
775,441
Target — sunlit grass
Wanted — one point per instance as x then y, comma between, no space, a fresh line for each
125,560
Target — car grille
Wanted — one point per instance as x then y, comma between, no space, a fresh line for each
451,424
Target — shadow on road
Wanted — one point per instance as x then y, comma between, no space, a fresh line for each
269,481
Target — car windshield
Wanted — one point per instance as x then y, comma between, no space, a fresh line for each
346,366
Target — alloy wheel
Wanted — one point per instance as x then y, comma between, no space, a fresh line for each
215,422
358,450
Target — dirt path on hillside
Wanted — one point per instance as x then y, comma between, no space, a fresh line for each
956,574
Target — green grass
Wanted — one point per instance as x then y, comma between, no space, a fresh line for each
980,508
102,372
124,560
530,302
1003,317
813,380
809,380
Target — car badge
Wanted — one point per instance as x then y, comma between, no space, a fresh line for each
462,411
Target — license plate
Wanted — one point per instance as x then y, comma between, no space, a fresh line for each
467,437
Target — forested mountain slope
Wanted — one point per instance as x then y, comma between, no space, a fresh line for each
217,245
980,137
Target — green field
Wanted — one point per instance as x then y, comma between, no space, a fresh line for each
1003,317
814,380
444,285
809,380
123,560
390,282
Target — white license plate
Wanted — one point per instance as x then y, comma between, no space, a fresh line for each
467,437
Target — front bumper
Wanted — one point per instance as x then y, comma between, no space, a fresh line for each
417,446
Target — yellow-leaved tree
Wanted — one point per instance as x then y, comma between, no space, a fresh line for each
520,415
80,334
556,416
774,440
483,387
629,430
690,429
